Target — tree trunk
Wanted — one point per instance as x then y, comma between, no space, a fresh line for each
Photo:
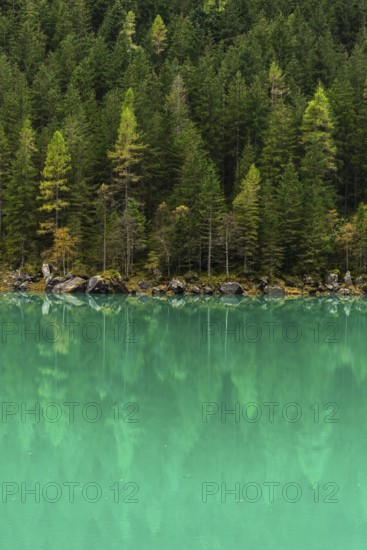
227,255
210,242
104,238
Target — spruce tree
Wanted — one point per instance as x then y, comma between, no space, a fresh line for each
20,217
270,234
4,174
247,215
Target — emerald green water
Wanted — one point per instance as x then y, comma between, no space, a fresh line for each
148,438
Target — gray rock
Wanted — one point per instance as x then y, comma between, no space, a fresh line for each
195,290
77,284
52,282
231,288
264,282
158,291
343,292
310,281
332,278
96,285
333,287
144,285
21,286
117,286
177,286
208,291
274,290
348,279
46,271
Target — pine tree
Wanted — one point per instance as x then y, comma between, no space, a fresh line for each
290,207
20,194
54,186
247,215
211,211
360,224
270,235
4,174
279,141
161,242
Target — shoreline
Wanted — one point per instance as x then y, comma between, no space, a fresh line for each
110,283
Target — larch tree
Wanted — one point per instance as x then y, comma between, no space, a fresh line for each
126,157
54,186
317,170
158,35
64,248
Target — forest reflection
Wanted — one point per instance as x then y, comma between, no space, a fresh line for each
169,357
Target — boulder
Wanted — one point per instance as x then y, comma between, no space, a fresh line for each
51,282
310,281
231,289
21,286
274,290
117,286
332,279
76,284
208,291
333,287
158,291
144,285
177,286
344,292
264,282
348,279
46,271
195,290
96,285
22,280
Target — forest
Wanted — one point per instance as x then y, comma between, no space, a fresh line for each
176,136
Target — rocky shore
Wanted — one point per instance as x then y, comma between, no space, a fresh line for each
112,283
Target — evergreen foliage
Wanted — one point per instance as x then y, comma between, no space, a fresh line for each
210,136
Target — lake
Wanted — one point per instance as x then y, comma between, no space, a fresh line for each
168,423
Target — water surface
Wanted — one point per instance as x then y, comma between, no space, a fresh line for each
182,423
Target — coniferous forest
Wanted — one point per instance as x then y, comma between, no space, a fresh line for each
171,136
